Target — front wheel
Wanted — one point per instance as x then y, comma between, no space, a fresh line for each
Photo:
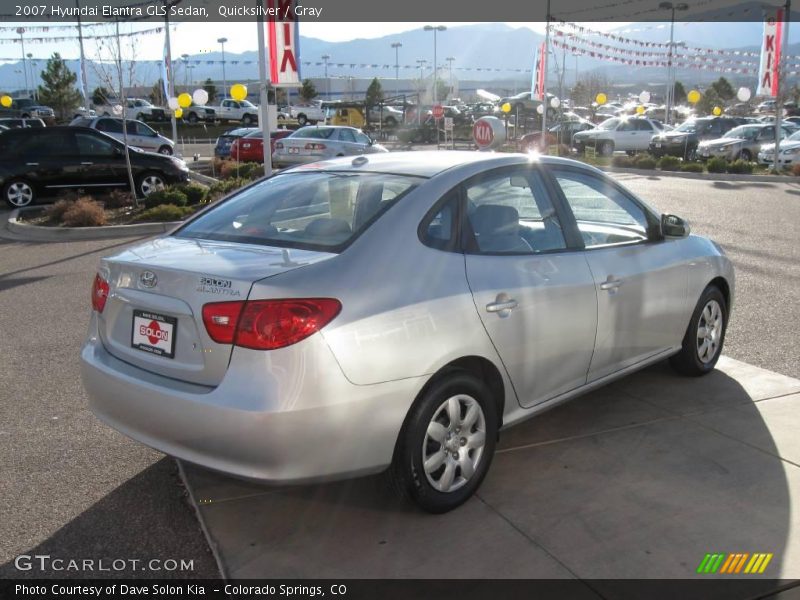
605,148
149,183
301,119
705,335
447,443
18,193
165,150
745,155
247,120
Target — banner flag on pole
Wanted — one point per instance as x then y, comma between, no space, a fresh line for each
537,81
284,44
165,67
771,46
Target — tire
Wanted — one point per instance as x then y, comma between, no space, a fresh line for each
148,183
580,148
693,360
247,120
192,118
606,148
18,193
302,119
165,150
430,432
390,122
745,155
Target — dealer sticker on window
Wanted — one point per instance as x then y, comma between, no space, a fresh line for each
154,333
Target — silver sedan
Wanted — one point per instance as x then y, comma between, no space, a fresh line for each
318,142
395,310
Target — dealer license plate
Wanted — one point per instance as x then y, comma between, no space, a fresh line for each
154,333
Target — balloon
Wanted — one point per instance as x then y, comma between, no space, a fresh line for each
743,94
116,109
178,113
601,98
540,109
506,107
173,103
200,97
644,97
555,102
693,96
238,91
717,111
6,101
639,109
184,100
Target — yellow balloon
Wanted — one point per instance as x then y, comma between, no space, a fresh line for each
506,107
640,109
178,113
693,96
717,111
238,91
601,98
184,100
6,101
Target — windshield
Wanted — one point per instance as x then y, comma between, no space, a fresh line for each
609,124
247,104
743,132
312,211
687,127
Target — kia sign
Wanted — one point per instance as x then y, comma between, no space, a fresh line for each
438,111
488,133
284,39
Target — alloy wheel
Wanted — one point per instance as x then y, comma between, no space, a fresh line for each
709,331
150,184
19,194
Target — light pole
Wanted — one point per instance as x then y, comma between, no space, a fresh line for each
185,70
325,59
450,60
421,62
33,76
21,31
670,85
434,29
397,46
221,41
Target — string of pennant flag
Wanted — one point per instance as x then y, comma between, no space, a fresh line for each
56,39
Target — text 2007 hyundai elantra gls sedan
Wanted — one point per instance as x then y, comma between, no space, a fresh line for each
396,311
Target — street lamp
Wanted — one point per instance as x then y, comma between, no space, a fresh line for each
185,70
421,62
397,46
325,59
33,76
21,31
450,60
221,41
670,85
434,29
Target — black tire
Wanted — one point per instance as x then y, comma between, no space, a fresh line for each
408,472
19,193
302,119
745,155
688,361
390,122
580,149
192,118
165,150
248,120
605,148
146,184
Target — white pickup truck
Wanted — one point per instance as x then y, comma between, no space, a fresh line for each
307,113
137,109
237,110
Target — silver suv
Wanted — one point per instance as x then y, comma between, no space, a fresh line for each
139,134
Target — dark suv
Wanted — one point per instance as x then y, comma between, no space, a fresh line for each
683,140
38,162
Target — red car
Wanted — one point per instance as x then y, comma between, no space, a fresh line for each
250,148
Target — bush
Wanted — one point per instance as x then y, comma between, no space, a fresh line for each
55,212
717,165
165,212
235,170
119,199
168,195
85,212
194,192
796,170
644,161
251,170
692,168
669,163
222,188
740,166
622,161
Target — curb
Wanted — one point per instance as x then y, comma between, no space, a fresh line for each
705,176
37,233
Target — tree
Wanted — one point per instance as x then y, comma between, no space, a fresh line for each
442,89
157,93
723,88
211,90
100,96
709,100
374,93
678,93
59,90
308,91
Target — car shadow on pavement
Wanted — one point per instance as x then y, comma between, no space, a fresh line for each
146,518
739,185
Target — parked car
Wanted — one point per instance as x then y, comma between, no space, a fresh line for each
789,152
28,108
195,114
250,148
394,311
313,143
243,111
387,116
140,134
308,113
136,108
683,140
38,162
742,142
630,134
222,148
560,133
526,105
22,123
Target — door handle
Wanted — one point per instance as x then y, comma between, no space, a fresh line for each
32,164
502,304
611,283
87,163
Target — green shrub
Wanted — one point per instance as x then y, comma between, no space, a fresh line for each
669,163
251,170
165,212
717,165
195,193
118,199
84,213
168,195
644,161
622,161
740,166
692,168
223,188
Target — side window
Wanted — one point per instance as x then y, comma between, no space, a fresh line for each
109,125
605,215
642,125
346,135
438,230
93,145
628,125
767,133
362,138
715,128
511,213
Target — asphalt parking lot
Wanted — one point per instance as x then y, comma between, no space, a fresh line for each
79,489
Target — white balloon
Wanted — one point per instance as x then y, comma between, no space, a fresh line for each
644,97
117,109
743,94
200,97
555,102
540,109
173,103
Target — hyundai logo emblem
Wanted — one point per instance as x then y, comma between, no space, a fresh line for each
148,279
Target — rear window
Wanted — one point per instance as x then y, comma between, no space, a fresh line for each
313,211
322,133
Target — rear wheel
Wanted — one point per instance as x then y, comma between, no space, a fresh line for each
247,120
447,443
705,335
166,150
745,155
149,183
18,193
605,148
302,119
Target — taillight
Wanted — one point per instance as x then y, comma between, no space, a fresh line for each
99,293
279,145
268,324
315,146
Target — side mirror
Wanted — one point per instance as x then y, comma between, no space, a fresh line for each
674,227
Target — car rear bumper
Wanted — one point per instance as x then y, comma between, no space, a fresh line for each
286,416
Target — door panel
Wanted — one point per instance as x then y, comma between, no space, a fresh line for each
102,163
